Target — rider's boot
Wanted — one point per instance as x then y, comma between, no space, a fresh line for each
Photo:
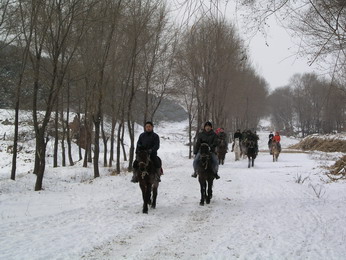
194,175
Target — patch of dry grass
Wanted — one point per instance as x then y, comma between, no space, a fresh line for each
319,144
312,143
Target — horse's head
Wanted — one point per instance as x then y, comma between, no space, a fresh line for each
250,144
143,159
204,149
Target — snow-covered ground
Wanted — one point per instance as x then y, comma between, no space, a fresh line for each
282,210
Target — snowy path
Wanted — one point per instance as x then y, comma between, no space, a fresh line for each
258,213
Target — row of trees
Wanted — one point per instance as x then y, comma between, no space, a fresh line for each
217,81
115,61
101,58
308,105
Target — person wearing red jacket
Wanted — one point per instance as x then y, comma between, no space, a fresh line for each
277,139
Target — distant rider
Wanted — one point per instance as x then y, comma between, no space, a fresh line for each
239,135
277,139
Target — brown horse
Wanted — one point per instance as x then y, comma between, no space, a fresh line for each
221,151
205,174
147,180
275,150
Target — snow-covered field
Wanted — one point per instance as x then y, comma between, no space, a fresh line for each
282,210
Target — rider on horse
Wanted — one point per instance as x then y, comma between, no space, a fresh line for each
239,135
277,139
149,141
206,136
222,137
250,136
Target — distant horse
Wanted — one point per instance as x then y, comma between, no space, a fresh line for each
236,149
243,149
147,180
205,174
270,146
251,152
221,151
275,150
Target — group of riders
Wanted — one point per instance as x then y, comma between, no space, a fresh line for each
150,141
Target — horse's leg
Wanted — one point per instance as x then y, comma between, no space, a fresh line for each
155,187
203,191
144,196
253,161
210,191
249,161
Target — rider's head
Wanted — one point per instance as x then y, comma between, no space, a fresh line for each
148,127
208,126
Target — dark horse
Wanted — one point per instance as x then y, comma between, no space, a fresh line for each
221,151
205,174
147,181
251,152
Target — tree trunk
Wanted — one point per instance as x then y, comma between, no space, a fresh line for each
118,147
41,154
63,153
122,142
111,152
56,134
79,134
132,146
105,141
68,127
96,146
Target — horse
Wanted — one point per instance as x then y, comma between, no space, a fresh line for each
251,152
236,149
243,149
270,146
221,151
147,180
275,150
205,174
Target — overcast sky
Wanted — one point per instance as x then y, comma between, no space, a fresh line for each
278,61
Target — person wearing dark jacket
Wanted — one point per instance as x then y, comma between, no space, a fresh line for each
150,141
209,137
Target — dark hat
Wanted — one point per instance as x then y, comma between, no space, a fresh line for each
208,123
149,123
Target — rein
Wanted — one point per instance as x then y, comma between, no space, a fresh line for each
143,166
206,158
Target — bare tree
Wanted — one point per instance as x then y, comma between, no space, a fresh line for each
319,26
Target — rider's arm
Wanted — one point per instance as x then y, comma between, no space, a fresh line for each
156,145
139,143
